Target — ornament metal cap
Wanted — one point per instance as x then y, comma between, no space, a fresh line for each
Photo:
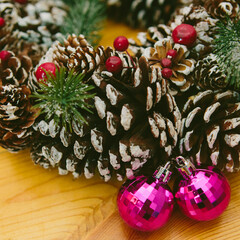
185,166
163,174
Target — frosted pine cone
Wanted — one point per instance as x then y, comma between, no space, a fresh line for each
210,129
135,119
37,21
16,117
15,70
75,53
208,74
204,24
141,13
181,66
221,9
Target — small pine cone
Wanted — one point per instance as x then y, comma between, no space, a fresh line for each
182,67
210,129
75,53
135,119
16,117
15,70
222,9
7,37
204,24
149,38
208,74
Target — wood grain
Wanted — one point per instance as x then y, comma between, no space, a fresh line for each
38,204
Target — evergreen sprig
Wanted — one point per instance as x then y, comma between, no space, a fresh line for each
63,97
227,48
85,17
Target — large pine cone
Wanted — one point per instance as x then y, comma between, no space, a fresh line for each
136,120
208,74
15,70
141,13
16,117
210,129
181,66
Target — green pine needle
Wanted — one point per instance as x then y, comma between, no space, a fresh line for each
85,17
227,48
63,97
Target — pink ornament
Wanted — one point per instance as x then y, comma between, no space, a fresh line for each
21,1
43,68
146,203
121,43
184,34
203,194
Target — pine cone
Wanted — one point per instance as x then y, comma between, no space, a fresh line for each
196,16
141,13
7,37
37,21
210,129
149,38
135,120
15,70
204,24
182,66
75,53
221,9
208,74
16,117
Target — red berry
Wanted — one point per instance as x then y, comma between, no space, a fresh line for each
21,1
167,72
166,62
43,68
184,34
114,64
2,22
172,53
121,43
5,55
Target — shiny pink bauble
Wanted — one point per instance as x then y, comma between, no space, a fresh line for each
145,203
204,195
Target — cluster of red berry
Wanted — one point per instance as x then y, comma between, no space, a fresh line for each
184,34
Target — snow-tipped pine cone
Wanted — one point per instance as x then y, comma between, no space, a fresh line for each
75,53
16,117
135,121
208,74
181,66
15,70
141,13
36,21
210,129
222,9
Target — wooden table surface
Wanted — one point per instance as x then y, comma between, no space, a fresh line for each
38,204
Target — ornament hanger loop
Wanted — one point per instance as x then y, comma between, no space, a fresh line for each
185,166
163,173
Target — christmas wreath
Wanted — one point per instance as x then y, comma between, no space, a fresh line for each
88,109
